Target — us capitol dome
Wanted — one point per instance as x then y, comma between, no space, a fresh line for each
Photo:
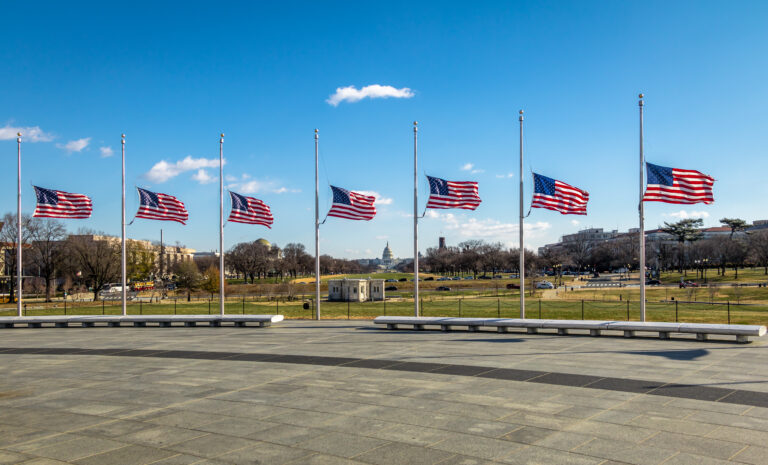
387,256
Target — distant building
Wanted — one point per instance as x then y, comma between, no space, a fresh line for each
441,243
355,290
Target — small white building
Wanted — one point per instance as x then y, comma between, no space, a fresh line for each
355,290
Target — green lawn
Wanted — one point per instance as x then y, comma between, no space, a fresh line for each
488,307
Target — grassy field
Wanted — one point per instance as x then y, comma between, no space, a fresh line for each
489,307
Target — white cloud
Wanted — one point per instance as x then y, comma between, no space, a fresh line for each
682,214
502,176
379,199
28,134
255,187
106,152
467,167
382,237
575,222
488,229
351,94
478,171
75,145
203,177
163,171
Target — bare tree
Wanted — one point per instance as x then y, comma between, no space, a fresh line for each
97,258
47,250
8,240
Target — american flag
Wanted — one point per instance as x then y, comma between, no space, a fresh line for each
558,196
250,211
352,205
58,204
452,194
673,185
157,206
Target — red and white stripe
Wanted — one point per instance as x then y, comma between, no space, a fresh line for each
258,213
169,209
461,194
69,206
360,208
688,187
567,200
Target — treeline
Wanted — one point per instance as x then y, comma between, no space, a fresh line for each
255,260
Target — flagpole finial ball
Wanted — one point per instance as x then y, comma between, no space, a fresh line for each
123,136
415,123
316,131
640,96
521,112
18,134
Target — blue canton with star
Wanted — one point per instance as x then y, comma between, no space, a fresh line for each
659,174
239,202
46,196
148,198
341,195
437,186
543,185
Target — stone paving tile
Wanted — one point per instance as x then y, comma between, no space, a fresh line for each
42,441
741,421
287,435
187,419
323,459
179,459
358,425
130,455
684,458
612,431
689,426
114,428
409,434
264,454
466,460
740,435
396,453
626,452
341,444
486,448
709,447
565,440
235,426
43,461
211,445
77,448
753,455
9,458
528,434
161,436
533,455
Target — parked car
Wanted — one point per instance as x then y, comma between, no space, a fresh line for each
469,278
498,276
688,284
443,288
513,286
545,285
170,287
443,279
402,280
429,278
391,280
456,278
652,282
390,288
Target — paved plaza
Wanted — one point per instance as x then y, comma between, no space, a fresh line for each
339,392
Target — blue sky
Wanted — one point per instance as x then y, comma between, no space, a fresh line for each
173,77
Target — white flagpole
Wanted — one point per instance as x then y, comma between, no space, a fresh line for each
19,261
221,224
642,213
317,235
122,242
415,221
522,242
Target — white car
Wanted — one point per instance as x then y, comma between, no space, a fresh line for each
545,285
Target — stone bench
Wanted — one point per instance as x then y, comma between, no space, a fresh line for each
563,327
139,321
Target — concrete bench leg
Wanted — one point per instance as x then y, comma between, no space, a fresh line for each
742,339
7,325
240,324
663,335
35,325
701,336
502,329
190,323
215,323
532,330
418,327
474,328
264,324
391,326
594,332
114,324
445,327
139,324
87,324
165,324
562,332
629,333
62,324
